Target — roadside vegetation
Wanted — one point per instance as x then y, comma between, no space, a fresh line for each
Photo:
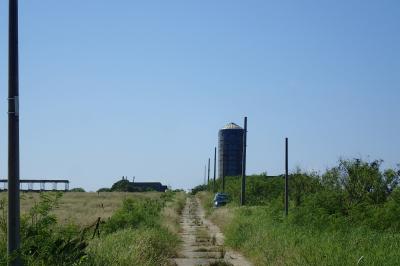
141,230
349,215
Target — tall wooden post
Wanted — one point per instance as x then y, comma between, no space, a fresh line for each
286,177
208,174
243,194
13,242
205,174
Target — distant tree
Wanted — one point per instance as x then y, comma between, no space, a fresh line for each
121,185
77,189
198,189
104,189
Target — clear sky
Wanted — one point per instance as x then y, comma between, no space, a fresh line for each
141,88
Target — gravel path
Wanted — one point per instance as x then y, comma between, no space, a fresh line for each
203,242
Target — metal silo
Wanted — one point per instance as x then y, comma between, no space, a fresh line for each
230,150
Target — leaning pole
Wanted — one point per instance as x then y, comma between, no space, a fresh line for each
13,242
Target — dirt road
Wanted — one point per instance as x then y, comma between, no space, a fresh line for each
203,242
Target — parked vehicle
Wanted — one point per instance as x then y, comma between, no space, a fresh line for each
220,199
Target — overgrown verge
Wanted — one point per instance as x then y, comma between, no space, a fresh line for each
140,233
172,211
134,235
43,241
268,240
348,215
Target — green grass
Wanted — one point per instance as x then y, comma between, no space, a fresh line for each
144,246
263,235
140,233
255,232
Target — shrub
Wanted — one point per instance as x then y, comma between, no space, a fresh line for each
133,214
355,192
121,185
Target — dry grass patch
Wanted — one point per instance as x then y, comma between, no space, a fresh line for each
83,208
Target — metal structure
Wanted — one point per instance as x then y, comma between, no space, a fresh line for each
230,154
13,237
243,192
286,177
41,182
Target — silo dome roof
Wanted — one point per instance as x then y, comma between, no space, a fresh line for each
231,126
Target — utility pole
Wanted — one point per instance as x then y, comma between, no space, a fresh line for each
286,177
205,174
243,194
13,242
208,175
215,168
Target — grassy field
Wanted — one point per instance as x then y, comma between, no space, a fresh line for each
135,228
83,208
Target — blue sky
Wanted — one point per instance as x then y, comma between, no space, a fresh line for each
140,88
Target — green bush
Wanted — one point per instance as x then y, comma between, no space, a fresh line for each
355,192
121,185
198,189
261,189
133,214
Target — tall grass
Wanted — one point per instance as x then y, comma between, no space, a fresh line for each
143,246
348,215
43,241
137,234
134,234
83,208
269,241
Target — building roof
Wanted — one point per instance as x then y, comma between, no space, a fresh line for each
231,126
